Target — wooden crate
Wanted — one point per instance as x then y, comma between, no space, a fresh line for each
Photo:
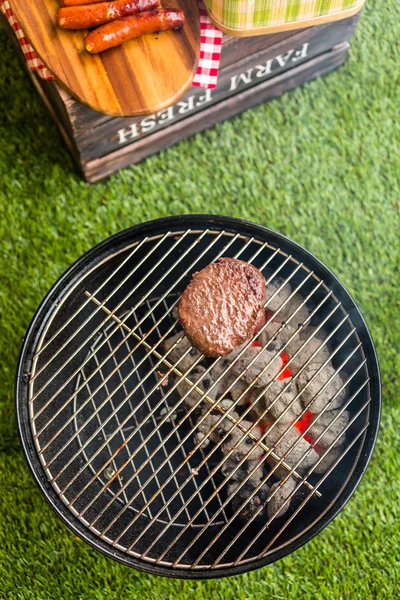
253,70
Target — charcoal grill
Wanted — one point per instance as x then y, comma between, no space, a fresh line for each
102,425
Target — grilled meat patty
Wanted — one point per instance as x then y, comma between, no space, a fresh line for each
222,306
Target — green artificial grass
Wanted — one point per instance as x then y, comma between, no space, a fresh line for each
320,165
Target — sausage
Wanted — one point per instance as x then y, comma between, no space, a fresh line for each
120,31
93,15
77,2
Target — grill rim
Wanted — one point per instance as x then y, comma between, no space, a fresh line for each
103,250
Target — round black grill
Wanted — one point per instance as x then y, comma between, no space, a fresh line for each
137,440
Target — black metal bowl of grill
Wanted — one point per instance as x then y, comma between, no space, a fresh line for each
100,424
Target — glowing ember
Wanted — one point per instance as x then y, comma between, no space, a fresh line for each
286,373
284,357
308,438
305,421
302,425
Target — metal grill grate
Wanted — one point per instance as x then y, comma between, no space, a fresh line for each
117,437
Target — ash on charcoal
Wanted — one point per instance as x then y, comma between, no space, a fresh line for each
277,506
282,290
219,368
313,396
261,358
272,339
204,385
179,350
311,345
233,372
276,399
330,432
231,471
246,446
225,382
204,428
284,313
243,391
295,320
294,455
242,495
328,461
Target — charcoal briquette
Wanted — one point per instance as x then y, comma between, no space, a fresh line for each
278,505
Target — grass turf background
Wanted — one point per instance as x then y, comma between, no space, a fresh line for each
320,165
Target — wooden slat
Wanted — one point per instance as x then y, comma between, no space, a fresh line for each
140,77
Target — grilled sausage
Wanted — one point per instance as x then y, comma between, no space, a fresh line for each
77,2
93,15
128,28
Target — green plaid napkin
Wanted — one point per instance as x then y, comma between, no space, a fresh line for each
250,14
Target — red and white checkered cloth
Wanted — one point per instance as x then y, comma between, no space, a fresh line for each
34,62
210,51
210,48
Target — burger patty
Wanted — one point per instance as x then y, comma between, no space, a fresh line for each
222,306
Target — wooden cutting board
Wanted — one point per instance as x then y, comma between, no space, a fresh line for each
140,77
